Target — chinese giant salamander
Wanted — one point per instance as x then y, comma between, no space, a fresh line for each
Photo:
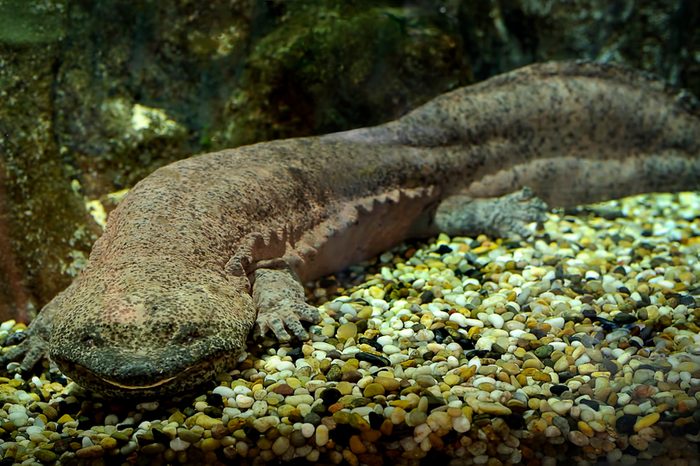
203,248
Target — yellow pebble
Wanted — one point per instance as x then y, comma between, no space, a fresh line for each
356,445
345,388
108,443
533,363
373,389
376,292
389,383
585,428
646,421
294,382
350,457
65,418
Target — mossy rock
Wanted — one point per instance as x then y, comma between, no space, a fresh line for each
328,66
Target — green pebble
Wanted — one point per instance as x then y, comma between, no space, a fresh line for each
287,411
108,443
373,389
416,417
206,422
153,449
45,456
334,373
188,435
544,351
209,444
346,331
358,402
341,417
121,436
93,451
358,422
50,412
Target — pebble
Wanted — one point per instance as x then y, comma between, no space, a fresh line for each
321,435
177,444
586,338
646,421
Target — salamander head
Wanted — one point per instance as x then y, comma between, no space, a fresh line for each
149,339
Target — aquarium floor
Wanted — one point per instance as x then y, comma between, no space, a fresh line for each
580,345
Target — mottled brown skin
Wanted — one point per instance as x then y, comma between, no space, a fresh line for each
166,300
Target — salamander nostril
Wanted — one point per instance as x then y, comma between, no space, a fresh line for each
91,338
187,333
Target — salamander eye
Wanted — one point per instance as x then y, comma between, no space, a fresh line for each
91,338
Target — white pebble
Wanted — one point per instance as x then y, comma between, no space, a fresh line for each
385,340
177,444
496,320
224,391
307,430
323,346
556,322
19,419
244,401
473,323
391,349
461,424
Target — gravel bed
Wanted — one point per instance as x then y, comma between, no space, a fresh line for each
580,345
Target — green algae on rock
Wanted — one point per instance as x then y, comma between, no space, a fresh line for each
45,231
334,65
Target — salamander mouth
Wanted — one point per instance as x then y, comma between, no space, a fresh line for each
139,387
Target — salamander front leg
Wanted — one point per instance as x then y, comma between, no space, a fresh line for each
498,216
281,304
35,345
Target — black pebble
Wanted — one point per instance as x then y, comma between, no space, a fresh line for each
443,249
465,343
564,376
558,389
646,334
375,420
295,353
370,342
590,313
592,403
380,361
214,399
427,297
608,325
330,396
624,318
686,300
514,421
440,334
160,437
625,423
341,434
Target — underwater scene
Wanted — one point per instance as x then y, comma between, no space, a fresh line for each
350,232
